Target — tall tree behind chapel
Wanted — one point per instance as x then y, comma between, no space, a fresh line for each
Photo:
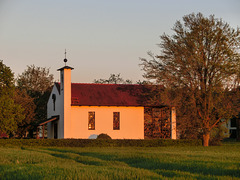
37,82
199,64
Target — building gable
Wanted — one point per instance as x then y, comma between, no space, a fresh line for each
54,99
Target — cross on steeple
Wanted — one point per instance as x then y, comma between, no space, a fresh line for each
65,60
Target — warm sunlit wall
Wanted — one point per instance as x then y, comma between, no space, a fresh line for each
173,123
66,91
131,122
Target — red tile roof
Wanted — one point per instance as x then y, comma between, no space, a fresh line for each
109,95
58,86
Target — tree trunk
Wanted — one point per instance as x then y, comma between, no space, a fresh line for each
206,138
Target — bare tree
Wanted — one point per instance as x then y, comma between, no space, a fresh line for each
113,79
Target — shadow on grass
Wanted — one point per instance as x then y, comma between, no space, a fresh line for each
167,169
85,162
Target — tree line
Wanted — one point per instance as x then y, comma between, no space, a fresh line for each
198,66
23,101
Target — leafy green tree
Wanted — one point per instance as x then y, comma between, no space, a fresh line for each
113,79
37,82
10,113
35,79
198,65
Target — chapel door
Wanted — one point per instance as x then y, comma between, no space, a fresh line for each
55,130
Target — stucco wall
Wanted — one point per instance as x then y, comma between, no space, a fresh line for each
51,112
131,122
66,92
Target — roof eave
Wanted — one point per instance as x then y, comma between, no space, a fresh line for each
65,67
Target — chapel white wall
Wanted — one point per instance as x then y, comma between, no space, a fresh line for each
51,112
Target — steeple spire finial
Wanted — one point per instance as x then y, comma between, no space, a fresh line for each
65,60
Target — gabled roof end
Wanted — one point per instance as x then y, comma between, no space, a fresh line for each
65,67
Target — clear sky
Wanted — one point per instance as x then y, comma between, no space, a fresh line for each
101,36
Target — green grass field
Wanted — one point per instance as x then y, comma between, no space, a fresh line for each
218,162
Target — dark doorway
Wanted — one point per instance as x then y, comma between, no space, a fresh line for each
55,130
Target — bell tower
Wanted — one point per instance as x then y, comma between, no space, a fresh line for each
65,92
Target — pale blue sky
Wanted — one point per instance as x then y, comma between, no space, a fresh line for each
101,36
